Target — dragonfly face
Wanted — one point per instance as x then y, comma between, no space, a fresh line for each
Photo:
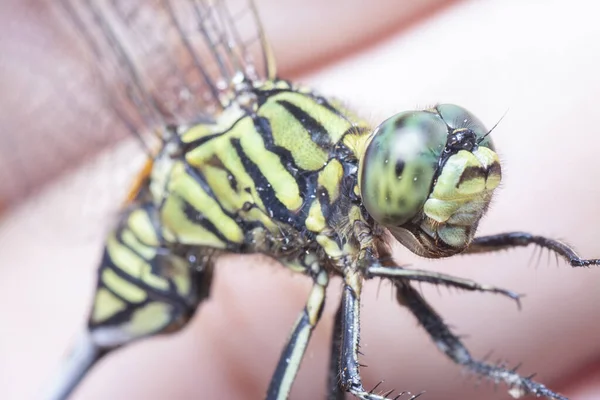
428,176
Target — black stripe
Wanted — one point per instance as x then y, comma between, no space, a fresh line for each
119,237
216,162
196,217
199,178
263,127
306,180
170,296
470,173
277,210
187,147
317,132
324,199
273,391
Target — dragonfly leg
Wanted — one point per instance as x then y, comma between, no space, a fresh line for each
334,389
436,278
451,345
292,354
347,375
508,240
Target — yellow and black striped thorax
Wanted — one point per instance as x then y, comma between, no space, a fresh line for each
275,170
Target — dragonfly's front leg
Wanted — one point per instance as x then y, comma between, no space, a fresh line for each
502,241
334,389
348,375
451,345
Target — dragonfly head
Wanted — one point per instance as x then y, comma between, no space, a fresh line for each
428,176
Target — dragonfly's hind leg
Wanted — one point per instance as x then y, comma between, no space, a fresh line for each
451,345
502,241
143,289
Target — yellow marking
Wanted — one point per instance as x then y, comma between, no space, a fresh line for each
295,359
355,214
139,181
132,264
183,284
441,210
139,222
226,119
176,226
124,258
487,158
106,305
269,164
446,185
187,188
334,125
273,84
463,202
455,236
295,266
217,179
315,221
255,214
357,141
354,280
130,240
330,246
123,288
179,272
323,279
154,280
197,132
289,133
313,306
222,149
314,303
330,178
152,318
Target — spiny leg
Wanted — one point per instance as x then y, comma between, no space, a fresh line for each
291,357
508,240
334,389
396,272
451,345
348,373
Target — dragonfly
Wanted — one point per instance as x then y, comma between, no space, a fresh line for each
242,161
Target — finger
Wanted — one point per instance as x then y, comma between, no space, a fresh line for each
503,65
52,115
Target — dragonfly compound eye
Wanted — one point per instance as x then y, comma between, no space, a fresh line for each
428,176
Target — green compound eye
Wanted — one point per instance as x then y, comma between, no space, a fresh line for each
429,176
399,165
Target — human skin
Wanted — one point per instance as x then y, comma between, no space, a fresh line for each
540,63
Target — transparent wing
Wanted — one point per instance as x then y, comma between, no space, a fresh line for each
170,62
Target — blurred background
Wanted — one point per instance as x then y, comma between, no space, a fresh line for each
64,166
